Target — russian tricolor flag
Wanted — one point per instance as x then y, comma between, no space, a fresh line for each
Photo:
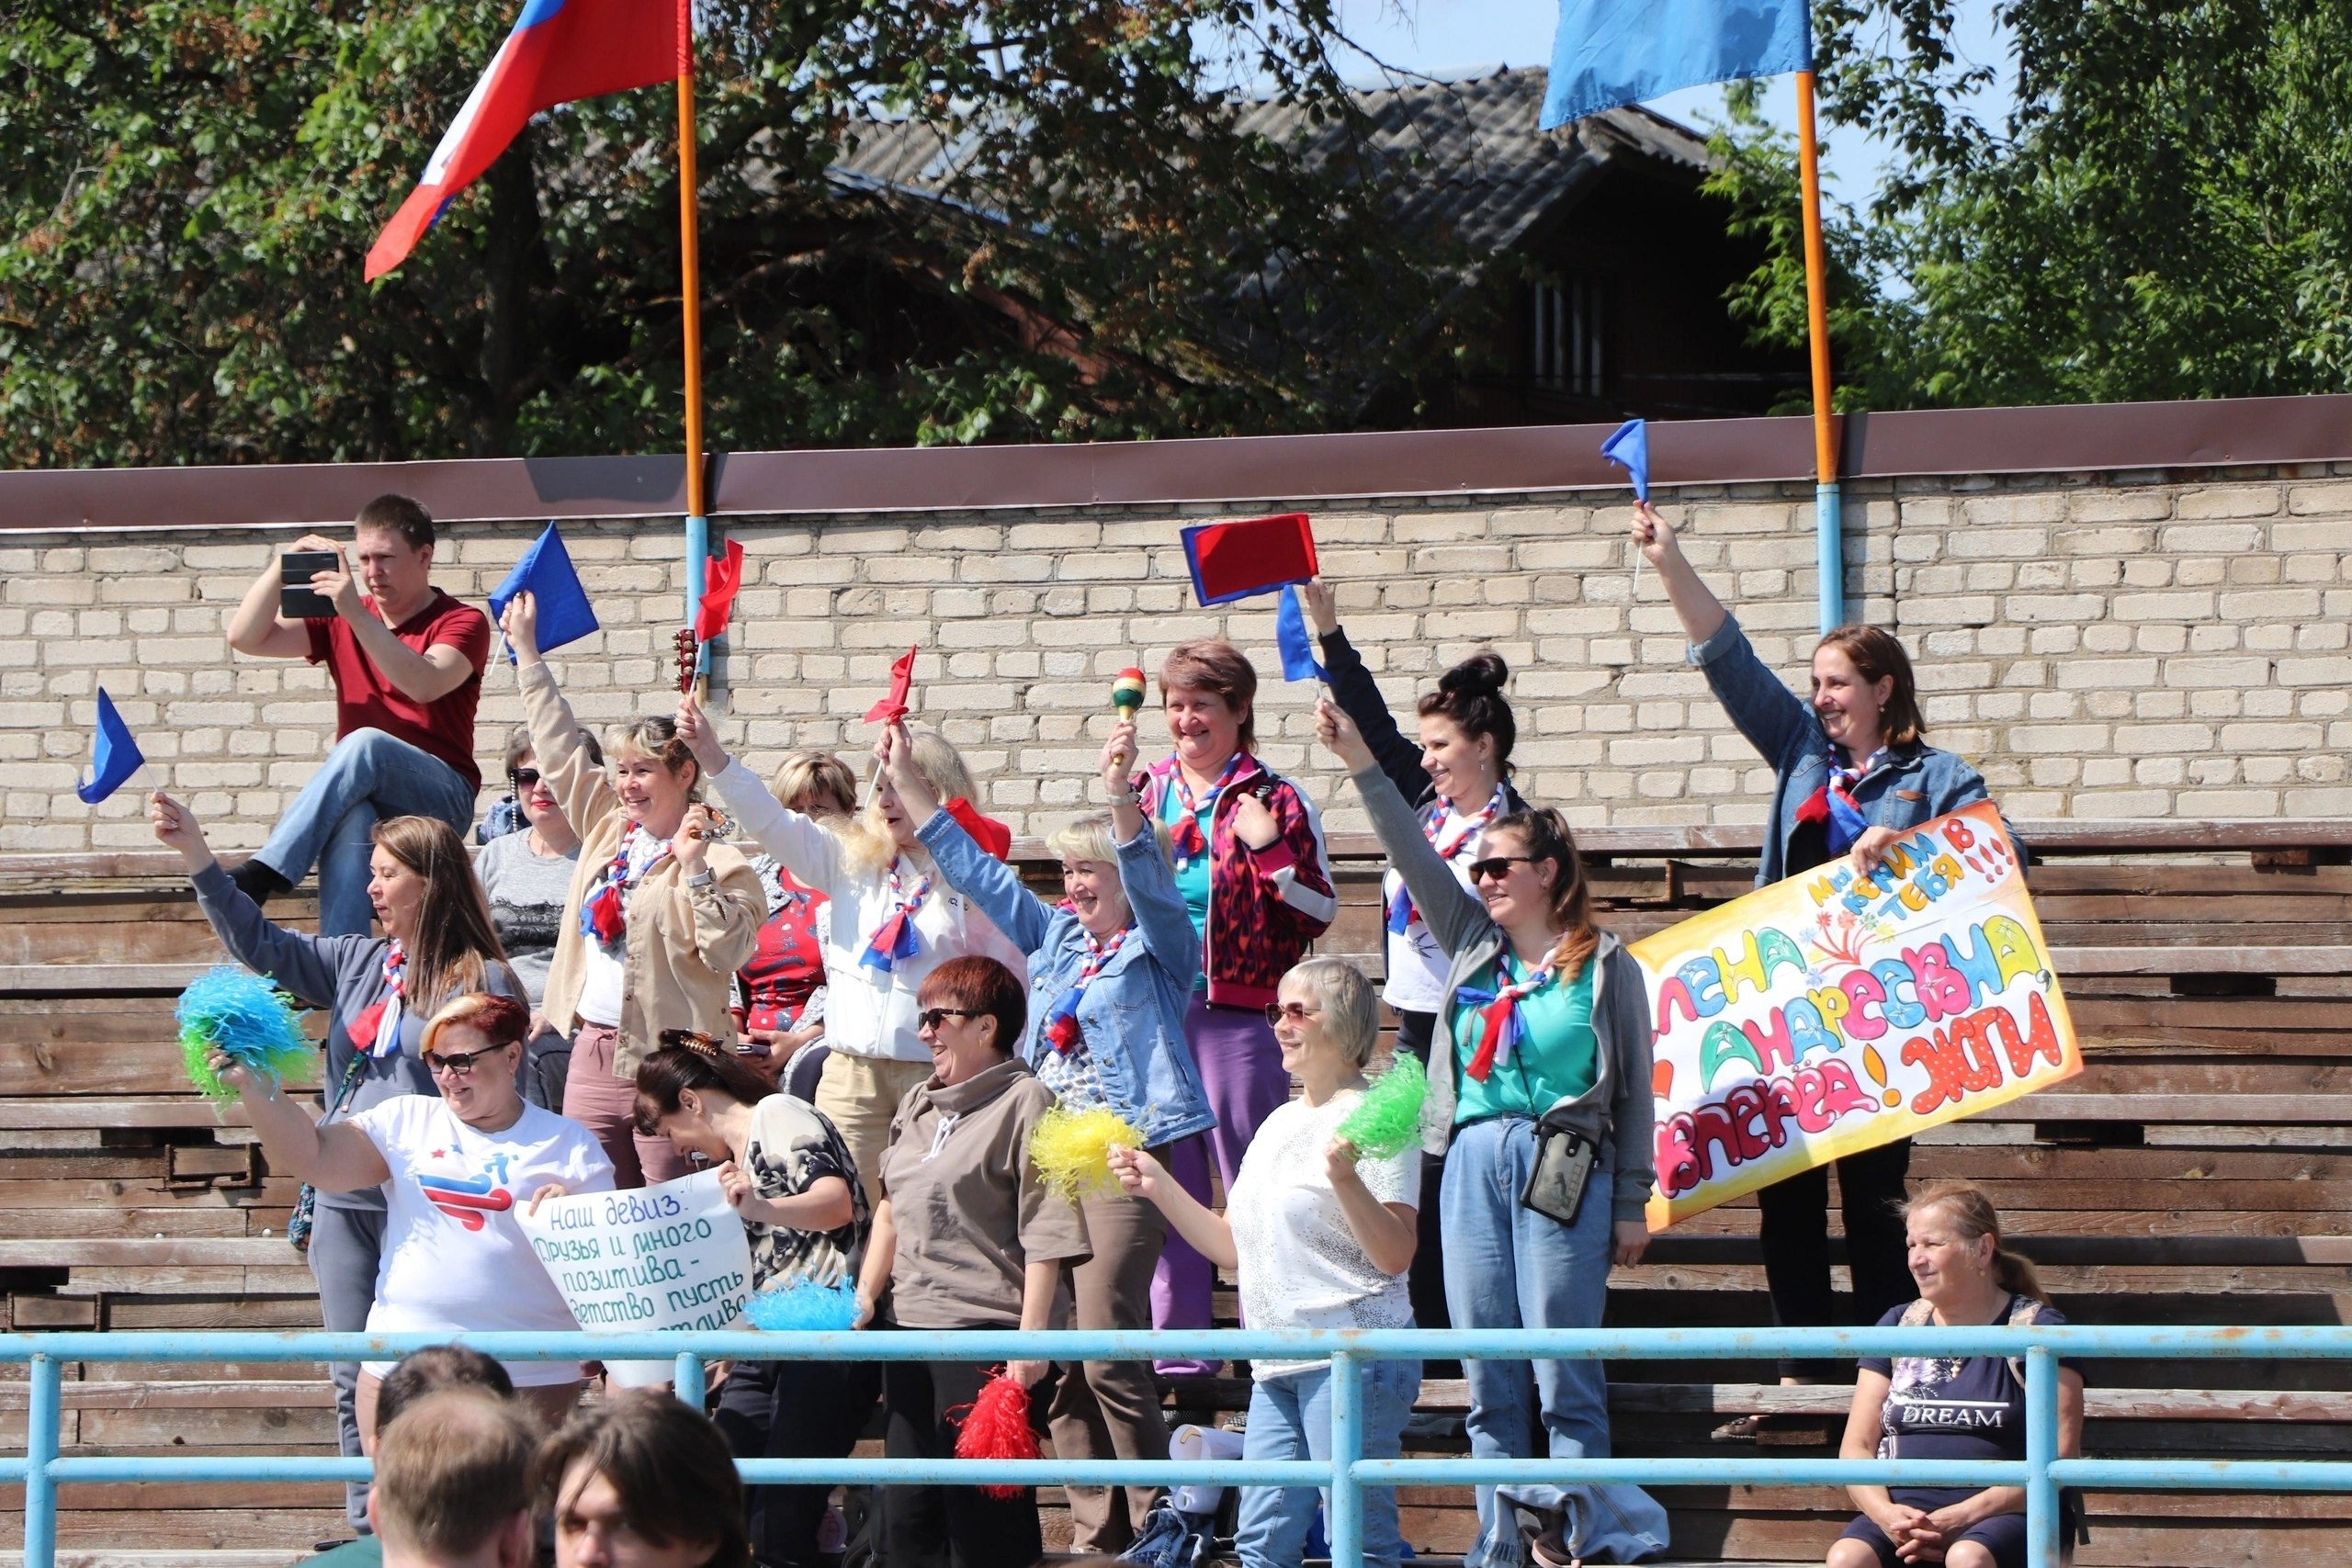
560,50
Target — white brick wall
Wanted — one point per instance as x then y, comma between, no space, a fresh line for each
2101,646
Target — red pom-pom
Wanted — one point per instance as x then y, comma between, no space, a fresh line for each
1063,1034
996,1425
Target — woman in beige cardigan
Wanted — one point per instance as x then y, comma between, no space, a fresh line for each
659,918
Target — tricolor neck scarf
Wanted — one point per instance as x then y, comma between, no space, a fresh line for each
1448,843
603,914
1833,805
377,1030
1184,833
1498,1010
895,938
1062,1031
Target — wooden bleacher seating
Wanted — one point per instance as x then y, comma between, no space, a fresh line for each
2195,1173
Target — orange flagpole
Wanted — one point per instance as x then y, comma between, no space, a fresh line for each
1830,548
690,301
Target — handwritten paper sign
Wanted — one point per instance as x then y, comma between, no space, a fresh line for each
669,1256
1828,1013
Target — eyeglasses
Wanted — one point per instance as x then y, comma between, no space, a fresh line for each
460,1063
1497,867
523,778
929,1016
1298,1012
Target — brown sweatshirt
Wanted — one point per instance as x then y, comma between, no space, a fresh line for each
969,1209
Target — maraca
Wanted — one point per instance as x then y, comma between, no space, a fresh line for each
1127,692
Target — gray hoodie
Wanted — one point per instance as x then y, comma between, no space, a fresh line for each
343,975
1618,1106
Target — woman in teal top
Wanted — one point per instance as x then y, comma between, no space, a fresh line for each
1546,1032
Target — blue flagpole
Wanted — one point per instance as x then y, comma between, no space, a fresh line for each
1830,533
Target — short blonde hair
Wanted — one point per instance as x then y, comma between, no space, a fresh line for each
1351,1011
655,737
822,772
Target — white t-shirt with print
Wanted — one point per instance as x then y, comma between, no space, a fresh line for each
454,1257
1301,1265
1416,964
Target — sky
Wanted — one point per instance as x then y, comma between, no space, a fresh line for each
1444,38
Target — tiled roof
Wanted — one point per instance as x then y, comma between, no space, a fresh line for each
1478,167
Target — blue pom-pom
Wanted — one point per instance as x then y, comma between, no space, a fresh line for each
239,1013
804,1306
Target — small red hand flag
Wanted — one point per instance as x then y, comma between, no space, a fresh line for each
721,578
893,708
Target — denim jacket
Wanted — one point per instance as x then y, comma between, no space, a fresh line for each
1132,1012
1914,783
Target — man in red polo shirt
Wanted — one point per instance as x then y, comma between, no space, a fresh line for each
407,662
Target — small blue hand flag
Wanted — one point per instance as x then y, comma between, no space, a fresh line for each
1299,662
546,573
114,755
1630,450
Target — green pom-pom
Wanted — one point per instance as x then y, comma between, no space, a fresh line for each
1387,1121
229,1010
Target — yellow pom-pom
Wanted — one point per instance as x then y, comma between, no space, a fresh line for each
1071,1150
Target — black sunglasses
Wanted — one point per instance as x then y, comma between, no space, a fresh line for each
1294,1011
522,778
929,1016
458,1062
1498,866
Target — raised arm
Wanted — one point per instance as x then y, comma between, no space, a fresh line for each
1694,602
807,850
1775,721
335,1158
1455,916
255,627
423,677
304,965
1359,697
580,786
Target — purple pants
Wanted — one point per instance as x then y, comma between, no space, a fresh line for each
1241,1068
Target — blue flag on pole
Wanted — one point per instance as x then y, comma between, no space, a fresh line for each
1621,51
546,573
114,755
1630,450
1297,645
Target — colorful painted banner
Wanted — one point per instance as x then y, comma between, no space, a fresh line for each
1829,1013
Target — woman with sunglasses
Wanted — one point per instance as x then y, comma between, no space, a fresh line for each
455,1167
1317,1237
526,875
887,925
1457,774
789,1176
1850,772
1110,970
659,918
1541,1060
438,943
966,1236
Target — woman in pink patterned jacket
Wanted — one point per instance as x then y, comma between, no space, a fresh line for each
1250,859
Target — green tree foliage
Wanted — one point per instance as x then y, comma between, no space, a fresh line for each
187,189
2165,212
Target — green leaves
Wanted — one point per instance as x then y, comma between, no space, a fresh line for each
187,189
2163,213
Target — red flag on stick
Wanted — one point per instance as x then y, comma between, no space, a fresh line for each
893,708
721,578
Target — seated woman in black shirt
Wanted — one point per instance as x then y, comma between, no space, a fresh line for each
1959,1408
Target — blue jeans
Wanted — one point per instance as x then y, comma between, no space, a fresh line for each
1509,1267
1290,1417
369,776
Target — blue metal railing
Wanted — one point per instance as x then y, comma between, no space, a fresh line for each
2041,1472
